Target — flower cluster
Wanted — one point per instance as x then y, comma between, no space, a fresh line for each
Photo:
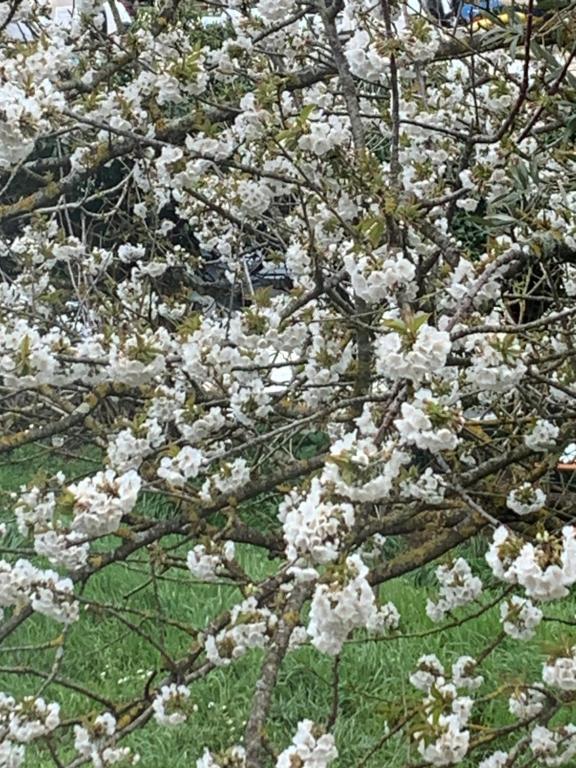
400,357
364,59
379,276
285,279
361,471
249,627
310,748
554,746
346,603
209,565
44,591
11,754
545,569
130,448
182,467
526,703
235,757
38,512
313,526
427,427
525,500
520,617
447,743
458,587
169,705
24,117
430,673
228,480
560,672
96,742
442,737
99,502
30,718
543,436
498,759
429,487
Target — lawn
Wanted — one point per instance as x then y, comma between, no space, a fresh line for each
110,659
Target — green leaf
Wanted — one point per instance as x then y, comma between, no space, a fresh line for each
395,325
417,322
306,112
501,220
373,228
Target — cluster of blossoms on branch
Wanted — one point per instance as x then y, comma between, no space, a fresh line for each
295,287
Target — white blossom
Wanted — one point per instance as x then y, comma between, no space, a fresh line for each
96,742
424,357
554,747
545,569
101,500
208,566
497,759
310,748
463,673
227,288
543,436
525,499
429,487
560,672
520,617
45,591
249,627
339,608
526,703
501,554
33,718
11,755
450,745
169,703
235,757
458,587
416,427
429,672
313,526
182,467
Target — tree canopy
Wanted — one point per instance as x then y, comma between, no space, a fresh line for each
298,277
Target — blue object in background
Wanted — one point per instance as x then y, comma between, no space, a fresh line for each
469,10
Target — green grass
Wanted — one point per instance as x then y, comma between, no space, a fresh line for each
106,657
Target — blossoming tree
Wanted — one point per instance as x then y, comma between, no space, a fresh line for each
414,185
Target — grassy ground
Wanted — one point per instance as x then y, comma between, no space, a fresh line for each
110,659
